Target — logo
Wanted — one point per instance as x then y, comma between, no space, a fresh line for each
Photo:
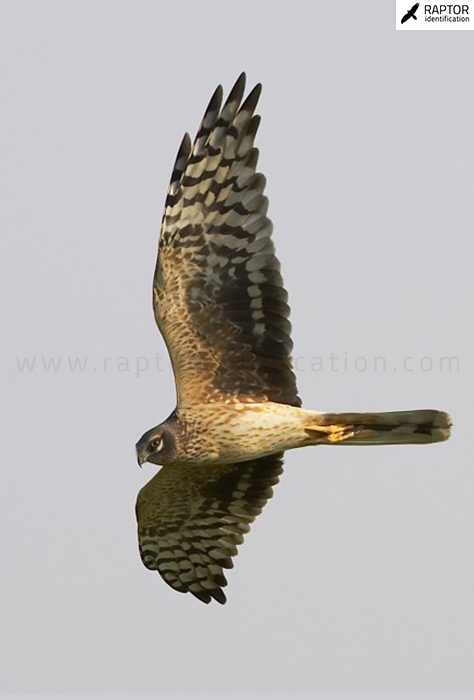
427,16
411,13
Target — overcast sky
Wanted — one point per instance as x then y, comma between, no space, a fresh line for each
359,574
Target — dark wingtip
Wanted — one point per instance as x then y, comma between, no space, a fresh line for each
252,99
237,92
219,595
239,85
184,151
216,99
185,143
203,596
206,596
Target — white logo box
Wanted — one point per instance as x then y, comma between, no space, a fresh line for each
431,16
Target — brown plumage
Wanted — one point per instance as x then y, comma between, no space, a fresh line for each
220,304
218,294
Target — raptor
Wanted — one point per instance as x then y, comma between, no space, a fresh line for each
220,304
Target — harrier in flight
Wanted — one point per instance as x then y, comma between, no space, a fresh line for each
220,304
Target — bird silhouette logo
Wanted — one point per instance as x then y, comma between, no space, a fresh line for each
411,13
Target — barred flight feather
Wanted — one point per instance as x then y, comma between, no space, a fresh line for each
191,520
218,294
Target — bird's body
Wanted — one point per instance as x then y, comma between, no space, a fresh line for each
222,433
221,306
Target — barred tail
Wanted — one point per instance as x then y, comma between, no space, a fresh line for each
394,428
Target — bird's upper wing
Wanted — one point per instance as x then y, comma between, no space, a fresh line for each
191,519
218,294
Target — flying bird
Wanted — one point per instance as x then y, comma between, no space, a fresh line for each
220,304
411,13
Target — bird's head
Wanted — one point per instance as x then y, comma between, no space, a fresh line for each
156,446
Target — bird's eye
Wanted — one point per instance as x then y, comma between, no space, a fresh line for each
157,444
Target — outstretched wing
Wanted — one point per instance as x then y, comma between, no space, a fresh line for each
191,519
218,294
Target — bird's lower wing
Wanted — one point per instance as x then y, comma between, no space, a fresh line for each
191,520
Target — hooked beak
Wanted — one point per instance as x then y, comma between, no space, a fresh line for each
141,458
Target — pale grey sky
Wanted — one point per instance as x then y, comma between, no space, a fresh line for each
359,575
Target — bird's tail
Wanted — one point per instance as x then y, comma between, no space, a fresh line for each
394,428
